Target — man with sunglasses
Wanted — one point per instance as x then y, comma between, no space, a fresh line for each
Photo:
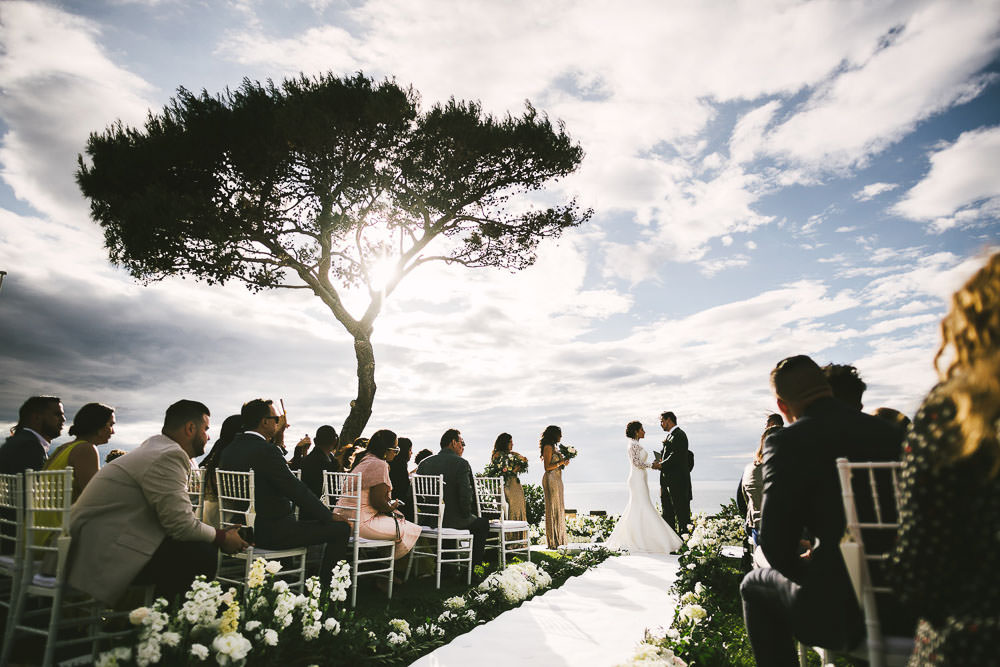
277,491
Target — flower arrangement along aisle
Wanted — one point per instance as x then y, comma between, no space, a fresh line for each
506,465
708,625
274,626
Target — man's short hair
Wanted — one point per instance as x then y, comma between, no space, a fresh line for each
669,415
253,411
449,436
847,385
799,380
326,435
33,406
182,412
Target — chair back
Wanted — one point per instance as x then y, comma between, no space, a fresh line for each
48,500
343,490
490,499
11,513
195,486
428,500
880,479
236,498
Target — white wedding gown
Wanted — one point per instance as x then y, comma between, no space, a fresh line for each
640,529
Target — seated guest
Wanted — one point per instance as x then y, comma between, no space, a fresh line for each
421,455
344,456
320,460
846,384
278,491
894,417
39,422
459,490
807,595
753,487
380,519
946,558
231,427
114,454
399,476
134,523
93,425
357,453
774,419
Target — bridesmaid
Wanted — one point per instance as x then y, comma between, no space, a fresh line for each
552,486
516,509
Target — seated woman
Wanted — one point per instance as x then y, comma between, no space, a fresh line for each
93,425
399,476
380,519
231,427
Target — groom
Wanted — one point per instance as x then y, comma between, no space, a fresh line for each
675,475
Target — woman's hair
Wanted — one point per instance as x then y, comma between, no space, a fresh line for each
422,454
976,395
90,418
632,429
972,326
380,442
502,444
758,456
550,436
231,427
405,449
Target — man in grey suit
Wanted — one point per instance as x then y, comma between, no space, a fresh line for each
134,522
39,421
277,491
459,490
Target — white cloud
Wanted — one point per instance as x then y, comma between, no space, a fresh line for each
963,184
873,190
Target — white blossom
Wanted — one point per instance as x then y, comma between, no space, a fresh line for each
332,625
271,637
199,651
273,566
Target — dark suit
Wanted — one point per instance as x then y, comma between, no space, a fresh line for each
275,490
22,451
675,481
459,497
314,466
809,600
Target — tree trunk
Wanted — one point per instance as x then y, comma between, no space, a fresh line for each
361,406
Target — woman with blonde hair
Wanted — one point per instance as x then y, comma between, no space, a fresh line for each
946,560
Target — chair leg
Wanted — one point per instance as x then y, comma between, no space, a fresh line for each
468,578
392,567
53,634
438,564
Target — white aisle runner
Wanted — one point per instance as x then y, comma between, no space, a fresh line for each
594,619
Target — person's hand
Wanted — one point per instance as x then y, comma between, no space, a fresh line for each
303,445
807,550
655,465
232,542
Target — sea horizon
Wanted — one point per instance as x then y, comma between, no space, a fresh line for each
585,497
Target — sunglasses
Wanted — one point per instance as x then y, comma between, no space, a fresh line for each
276,418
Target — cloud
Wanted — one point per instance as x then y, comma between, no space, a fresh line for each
873,190
962,185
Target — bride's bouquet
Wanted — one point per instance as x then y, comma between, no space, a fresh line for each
507,465
567,451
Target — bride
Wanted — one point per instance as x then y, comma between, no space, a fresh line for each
640,529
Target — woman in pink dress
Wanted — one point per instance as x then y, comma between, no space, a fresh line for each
380,519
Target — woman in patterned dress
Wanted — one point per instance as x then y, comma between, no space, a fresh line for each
946,565
552,487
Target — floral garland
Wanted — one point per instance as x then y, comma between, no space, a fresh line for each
273,625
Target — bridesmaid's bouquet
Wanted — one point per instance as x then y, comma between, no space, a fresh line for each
567,451
507,465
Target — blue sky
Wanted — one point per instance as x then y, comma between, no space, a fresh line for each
768,178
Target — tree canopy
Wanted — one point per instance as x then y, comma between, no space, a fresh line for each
312,183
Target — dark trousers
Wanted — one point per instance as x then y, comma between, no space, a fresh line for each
289,533
480,529
675,501
777,611
174,566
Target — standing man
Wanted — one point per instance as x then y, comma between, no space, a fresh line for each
39,421
277,491
459,490
675,467
134,522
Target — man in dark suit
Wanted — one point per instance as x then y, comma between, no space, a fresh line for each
806,594
320,460
277,491
459,490
39,421
675,467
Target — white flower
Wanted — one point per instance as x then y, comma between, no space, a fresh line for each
171,638
399,625
271,637
689,598
280,586
228,597
199,651
692,613
455,603
252,625
445,617
332,625
231,646
690,566
310,631
396,638
470,614
699,588
273,566
138,615
112,657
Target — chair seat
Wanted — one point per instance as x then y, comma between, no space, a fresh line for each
273,553
509,524
43,581
365,542
7,562
445,532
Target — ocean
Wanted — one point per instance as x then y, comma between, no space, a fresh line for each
612,496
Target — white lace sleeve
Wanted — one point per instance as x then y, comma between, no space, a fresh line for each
635,454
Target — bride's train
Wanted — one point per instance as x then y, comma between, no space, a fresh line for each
640,529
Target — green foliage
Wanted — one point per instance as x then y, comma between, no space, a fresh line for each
534,499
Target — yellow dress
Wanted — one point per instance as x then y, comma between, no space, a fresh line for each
59,461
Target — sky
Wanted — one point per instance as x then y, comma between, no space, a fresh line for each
767,179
